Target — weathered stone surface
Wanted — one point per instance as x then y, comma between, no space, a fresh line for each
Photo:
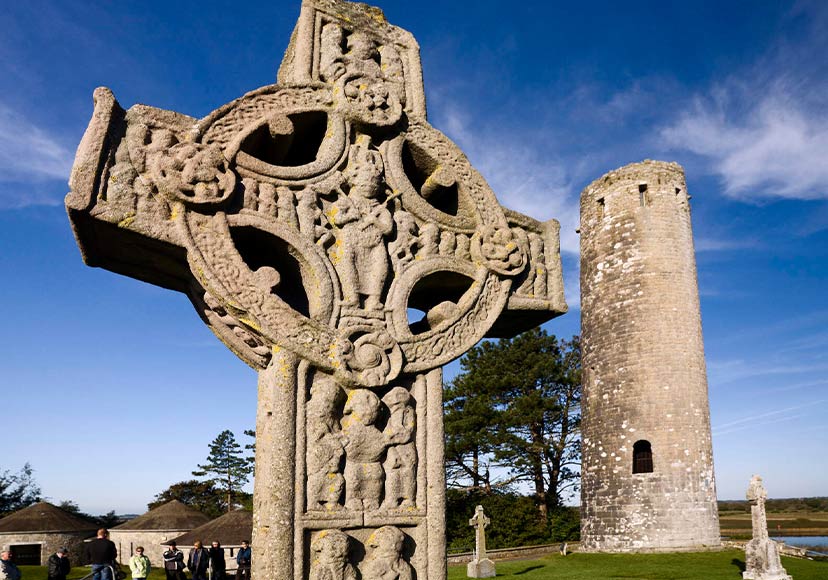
304,220
480,566
644,378
761,553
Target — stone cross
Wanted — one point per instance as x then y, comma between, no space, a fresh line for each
305,221
480,566
762,560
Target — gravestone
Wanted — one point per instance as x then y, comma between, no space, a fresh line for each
306,221
761,553
480,566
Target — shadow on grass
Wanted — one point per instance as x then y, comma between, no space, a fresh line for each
529,569
739,564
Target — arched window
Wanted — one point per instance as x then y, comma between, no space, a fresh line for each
642,457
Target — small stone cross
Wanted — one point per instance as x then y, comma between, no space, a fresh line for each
480,566
480,522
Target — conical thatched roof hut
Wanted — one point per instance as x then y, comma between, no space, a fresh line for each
230,530
37,531
154,528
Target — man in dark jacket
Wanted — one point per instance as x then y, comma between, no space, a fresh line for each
198,561
217,563
101,553
58,565
243,560
174,563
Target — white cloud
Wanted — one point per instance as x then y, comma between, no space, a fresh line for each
779,149
521,178
29,154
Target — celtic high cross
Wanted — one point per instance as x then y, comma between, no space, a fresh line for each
305,221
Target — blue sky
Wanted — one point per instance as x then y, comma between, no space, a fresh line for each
113,388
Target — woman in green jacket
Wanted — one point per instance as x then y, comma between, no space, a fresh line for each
139,564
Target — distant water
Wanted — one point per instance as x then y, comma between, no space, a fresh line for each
802,541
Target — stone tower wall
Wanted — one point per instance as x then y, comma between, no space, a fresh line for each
644,369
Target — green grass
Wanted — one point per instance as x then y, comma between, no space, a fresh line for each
726,565
39,573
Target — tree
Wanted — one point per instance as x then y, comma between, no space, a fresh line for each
18,490
200,495
226,467
517,403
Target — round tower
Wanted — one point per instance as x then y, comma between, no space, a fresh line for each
647,472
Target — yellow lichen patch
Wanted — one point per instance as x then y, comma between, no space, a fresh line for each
127,221
251,323
333,356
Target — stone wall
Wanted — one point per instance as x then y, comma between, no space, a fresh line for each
50,542
644,369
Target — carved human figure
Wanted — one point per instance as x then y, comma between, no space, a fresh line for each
386,562
405,242
329,557
363,221
401,459
362,56
325,449
310,217
364,448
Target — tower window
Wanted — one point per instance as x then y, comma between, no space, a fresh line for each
601,205
642,457
642,194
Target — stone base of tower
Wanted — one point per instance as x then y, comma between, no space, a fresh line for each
642,529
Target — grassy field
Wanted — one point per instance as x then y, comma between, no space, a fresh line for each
779,524
727,565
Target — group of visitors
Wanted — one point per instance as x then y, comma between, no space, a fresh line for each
203,563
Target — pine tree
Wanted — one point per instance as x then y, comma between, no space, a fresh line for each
516,405
226,467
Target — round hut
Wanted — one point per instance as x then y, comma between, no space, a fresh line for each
36,532
230,530
154,528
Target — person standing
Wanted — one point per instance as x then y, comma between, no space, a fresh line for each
218,565
174,563
8,569
101,553
198,561
243,560
58,565
139,564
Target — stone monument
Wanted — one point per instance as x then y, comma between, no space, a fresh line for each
647,469
761,553
304,221
480,566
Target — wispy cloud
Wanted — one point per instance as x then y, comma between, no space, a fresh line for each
30,157
778,150
522,179
765,418
764,129
721,244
